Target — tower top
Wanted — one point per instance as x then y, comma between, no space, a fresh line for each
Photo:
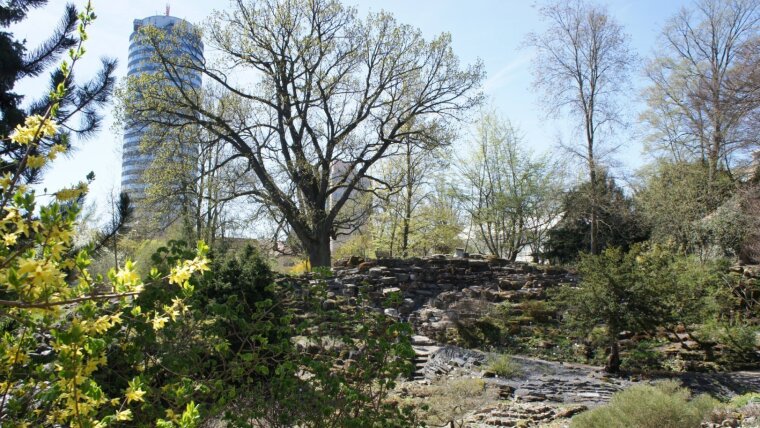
168,9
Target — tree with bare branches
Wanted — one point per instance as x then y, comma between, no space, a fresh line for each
412,176
315,86
510,193
582,66
704,93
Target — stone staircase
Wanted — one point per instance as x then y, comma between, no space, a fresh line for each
423,347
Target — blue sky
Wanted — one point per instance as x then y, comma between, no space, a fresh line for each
492,30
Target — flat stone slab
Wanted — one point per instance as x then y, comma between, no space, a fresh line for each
422,340
390,290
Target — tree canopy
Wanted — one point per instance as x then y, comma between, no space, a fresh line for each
322,86
704,83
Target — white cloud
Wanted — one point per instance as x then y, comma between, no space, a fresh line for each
507,73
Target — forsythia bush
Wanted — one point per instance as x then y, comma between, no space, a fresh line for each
57,321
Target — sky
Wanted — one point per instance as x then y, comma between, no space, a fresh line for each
492,31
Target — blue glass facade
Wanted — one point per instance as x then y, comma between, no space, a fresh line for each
141,60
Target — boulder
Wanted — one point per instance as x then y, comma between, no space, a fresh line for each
393,313
354,261
364,267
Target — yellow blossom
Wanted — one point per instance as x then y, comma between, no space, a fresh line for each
35,161
46,126
174,310
39,275
15,355
101,325
134,393
53,153
71,193
116,319
6,180
11,215
10,238
127,275
124,415
180,274
34,127
159,322
22,135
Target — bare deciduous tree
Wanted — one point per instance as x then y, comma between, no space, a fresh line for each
510,194
411,176
582,66
704,95
319,86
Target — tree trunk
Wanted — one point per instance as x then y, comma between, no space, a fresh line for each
407,203
405,239
393,237
319,251
613,361
594,247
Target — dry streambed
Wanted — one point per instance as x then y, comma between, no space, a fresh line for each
460,386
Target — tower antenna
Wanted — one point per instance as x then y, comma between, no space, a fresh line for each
168,9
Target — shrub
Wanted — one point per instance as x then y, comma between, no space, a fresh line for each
60,323
448,400
504,366
739,341
300,268
538,310
236,352
745,399
664,404
467,387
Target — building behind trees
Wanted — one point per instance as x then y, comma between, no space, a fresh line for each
143,62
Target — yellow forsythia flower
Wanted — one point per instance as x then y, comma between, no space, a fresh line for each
128,275
34,127
124,415
71,193
180,274
35,161
10,238
134,392
159,322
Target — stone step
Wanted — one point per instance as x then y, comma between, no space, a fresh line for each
420,340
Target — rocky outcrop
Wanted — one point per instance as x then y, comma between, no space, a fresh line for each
436,292
517,414
541,392
534,381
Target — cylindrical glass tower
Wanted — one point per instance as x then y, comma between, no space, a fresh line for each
141,61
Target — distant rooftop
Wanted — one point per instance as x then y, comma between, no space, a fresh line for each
160,21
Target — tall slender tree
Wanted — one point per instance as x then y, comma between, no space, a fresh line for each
410,177
582,66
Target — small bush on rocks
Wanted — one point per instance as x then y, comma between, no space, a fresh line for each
504,366
665,404
447,400
745,399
